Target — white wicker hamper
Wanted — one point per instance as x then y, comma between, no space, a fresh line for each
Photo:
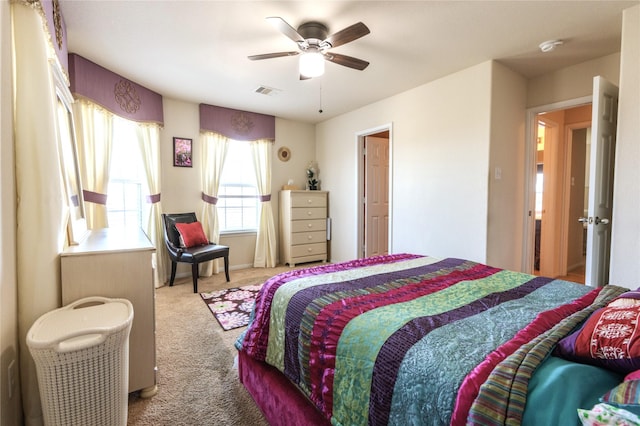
81,352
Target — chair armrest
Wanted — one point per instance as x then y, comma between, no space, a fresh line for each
177,250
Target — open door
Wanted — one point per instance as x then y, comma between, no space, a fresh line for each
376,203
600,206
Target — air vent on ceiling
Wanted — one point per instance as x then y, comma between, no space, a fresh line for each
265,90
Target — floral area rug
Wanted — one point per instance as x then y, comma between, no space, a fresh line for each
231,307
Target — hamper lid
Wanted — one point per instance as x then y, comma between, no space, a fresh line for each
86,317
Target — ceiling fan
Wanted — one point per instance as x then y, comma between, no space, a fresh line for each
314,44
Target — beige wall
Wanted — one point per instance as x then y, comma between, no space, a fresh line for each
506,172
448,139
625,244
440,156
579,114
181,188
571,82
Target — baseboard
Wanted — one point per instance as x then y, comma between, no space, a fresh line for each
236,267
231,268
575,266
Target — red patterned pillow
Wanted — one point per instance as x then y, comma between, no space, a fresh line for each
191,234
609,338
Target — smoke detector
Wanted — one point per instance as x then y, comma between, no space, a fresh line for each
549,45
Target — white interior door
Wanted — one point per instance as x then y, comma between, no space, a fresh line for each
603,145
376,196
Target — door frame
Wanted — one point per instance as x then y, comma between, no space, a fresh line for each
360,223
549,220
528,221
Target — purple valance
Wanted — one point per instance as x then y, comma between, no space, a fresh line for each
113,92
237,125
57,30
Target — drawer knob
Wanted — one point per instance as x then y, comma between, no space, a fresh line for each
309,225
309,201
309,237
309,213
309,250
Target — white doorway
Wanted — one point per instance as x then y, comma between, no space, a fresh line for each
561,164
563,219
374,192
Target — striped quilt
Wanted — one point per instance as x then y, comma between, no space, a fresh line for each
401,339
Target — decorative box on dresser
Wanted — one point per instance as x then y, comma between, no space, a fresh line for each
303,226
117,264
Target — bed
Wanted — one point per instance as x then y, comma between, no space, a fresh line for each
407,339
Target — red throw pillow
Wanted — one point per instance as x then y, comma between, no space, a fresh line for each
191,234
609,338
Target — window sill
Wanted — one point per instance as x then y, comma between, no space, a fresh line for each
239,232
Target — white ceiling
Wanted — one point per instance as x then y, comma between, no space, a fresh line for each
197,51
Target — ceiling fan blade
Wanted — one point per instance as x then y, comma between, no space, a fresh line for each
272,55
347,61
348,34
286,29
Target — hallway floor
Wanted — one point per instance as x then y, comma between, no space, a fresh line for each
576,275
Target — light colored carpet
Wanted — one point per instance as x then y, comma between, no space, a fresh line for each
197,381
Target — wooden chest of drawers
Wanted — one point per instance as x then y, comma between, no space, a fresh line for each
303,226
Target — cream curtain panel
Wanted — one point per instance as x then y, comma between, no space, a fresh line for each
214,151
265,252
148,135
41,213
94,131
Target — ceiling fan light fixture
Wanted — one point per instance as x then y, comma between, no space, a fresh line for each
312,64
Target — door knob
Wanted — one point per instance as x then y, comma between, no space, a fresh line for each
583,219
602,221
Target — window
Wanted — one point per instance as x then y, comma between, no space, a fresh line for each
238,193
125,200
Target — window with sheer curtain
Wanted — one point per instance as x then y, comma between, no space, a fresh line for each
238,201
127,188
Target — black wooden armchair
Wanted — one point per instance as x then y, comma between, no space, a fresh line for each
193,255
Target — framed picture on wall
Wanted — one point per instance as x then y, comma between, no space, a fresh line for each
182,152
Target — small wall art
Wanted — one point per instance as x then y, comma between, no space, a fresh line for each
182,152
284,153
